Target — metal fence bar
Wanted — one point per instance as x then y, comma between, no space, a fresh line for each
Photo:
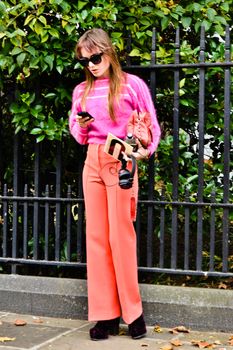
5,224
175,165
162,233
151,170
1,144
212,233
226,165
201,126
25,224
68,225
46,224
58,204
15,232
137,226
186,232
36,203
80,223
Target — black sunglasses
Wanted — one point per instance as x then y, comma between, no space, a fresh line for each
95,59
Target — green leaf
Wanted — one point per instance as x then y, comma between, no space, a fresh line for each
197,7
211,13
129,20
20,58
54,32
31,50
146,56
182,82
59,69
147,9
43,20
38,28
14,108
19,32
184,102
36,131
11,68
81,5
219,19
116,35
49,60
18,129
145,21
206,24
25,121
186,21
50,95
135,52
28,19
225,6
44,37
40,138
16,51
164,22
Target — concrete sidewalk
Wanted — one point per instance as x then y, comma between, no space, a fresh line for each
47,333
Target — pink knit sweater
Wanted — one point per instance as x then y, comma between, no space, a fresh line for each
135,95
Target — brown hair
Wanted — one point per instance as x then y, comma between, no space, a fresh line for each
99,38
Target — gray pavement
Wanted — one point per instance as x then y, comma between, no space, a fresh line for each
48,333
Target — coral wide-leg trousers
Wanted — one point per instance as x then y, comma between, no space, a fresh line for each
110,239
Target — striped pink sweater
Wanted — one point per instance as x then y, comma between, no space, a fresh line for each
135,96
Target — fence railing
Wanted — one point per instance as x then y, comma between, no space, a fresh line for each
42,223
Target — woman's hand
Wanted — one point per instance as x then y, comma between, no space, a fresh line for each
142,153
84,121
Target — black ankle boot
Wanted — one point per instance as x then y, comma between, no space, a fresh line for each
102,329
137,329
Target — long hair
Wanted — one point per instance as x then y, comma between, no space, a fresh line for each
98,38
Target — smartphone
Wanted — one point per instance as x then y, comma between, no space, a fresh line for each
85,115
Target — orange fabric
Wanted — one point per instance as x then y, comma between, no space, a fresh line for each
111,240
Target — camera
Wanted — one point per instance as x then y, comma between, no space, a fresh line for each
126,176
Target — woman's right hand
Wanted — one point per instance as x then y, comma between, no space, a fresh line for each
84,121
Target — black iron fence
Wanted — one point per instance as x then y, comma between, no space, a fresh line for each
42,216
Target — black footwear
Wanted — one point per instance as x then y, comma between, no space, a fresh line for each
103,329
137,329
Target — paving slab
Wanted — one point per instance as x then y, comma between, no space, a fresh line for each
48,333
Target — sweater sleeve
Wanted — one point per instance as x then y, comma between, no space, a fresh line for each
80,134
144,103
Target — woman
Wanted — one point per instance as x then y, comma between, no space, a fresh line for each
110,96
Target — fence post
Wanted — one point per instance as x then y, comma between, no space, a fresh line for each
201,126
226,165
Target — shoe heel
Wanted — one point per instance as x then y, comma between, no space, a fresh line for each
114,330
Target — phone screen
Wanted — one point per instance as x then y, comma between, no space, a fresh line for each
85,114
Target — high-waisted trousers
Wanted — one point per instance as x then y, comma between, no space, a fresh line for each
112,277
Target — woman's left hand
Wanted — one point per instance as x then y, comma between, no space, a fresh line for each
142,153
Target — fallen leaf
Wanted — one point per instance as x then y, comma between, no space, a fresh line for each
176,342
4,339
122,331
222,286
38,320
231,337
20,322
202,344
217,342
157,329
167,347
230,341
178,329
